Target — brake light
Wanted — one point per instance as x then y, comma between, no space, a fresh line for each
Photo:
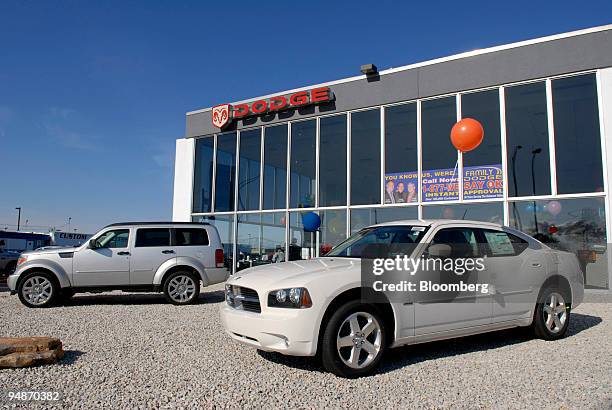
219,258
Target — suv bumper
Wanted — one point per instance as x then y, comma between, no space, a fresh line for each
11,282
288,331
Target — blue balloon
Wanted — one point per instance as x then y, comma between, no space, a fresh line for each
311,221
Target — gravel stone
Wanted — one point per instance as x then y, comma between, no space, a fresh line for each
137,351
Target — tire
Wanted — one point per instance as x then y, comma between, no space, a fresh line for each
552,314
38,290
353,349
182,288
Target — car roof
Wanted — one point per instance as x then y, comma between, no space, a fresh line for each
439,222
156,223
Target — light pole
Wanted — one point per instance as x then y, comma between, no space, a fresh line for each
18,217
69,219
517,216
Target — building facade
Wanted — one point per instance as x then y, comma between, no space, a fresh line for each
376,148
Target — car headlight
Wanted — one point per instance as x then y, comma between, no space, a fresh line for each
22,259
229,295
297,298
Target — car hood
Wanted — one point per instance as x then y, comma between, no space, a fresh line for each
50,251
295,272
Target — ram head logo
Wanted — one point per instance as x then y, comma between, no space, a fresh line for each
221,115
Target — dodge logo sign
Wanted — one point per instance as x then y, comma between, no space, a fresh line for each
223,114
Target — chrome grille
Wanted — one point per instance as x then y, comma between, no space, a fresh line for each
242,298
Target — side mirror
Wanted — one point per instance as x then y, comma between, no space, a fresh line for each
439,250
93,244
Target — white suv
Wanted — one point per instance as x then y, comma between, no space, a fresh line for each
171,257
324,306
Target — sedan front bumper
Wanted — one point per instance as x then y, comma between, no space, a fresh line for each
287,331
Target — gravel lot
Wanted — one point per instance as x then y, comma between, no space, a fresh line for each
134,350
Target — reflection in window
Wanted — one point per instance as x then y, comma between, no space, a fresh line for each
225,227
439,179
333,229
332,161
527,140
437,118
202,183
260,239
577,140
486,212
575,225
302,244
303,164
226,171
361,218
365,157
275,167
248,177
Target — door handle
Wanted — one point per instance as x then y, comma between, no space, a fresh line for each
536,265
123,253
167,251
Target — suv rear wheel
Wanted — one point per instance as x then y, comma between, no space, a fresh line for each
38,290
182,288
353,340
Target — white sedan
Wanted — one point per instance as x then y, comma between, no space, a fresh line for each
323,306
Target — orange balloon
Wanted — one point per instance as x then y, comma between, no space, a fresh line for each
467,134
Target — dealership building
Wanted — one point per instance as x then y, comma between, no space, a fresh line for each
375,148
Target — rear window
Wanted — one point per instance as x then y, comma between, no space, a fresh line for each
191,237
148,237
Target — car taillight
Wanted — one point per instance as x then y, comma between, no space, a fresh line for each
219,258
21,260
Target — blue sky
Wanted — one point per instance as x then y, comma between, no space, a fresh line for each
94,94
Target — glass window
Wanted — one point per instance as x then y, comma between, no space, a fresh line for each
117,238
577,139
365,157
303,164
248,178
364,217
527,140
393,240
275,167
462,241
260,239
302,244
202,179
190,237
149,237
225,227
486,212
439,156
226,171
482,167
575,225
332,161
401,169
333,229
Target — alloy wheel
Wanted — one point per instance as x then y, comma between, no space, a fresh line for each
181,288
359,340
555,312
37,290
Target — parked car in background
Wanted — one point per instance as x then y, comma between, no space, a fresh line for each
170,257
311,307
8,261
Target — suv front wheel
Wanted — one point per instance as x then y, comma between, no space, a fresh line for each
38,290
353,340
182,288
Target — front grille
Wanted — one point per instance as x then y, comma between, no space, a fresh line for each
242,298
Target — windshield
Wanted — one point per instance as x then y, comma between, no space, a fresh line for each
395,240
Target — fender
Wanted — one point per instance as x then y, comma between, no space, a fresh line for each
338,292
61,275
193,263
